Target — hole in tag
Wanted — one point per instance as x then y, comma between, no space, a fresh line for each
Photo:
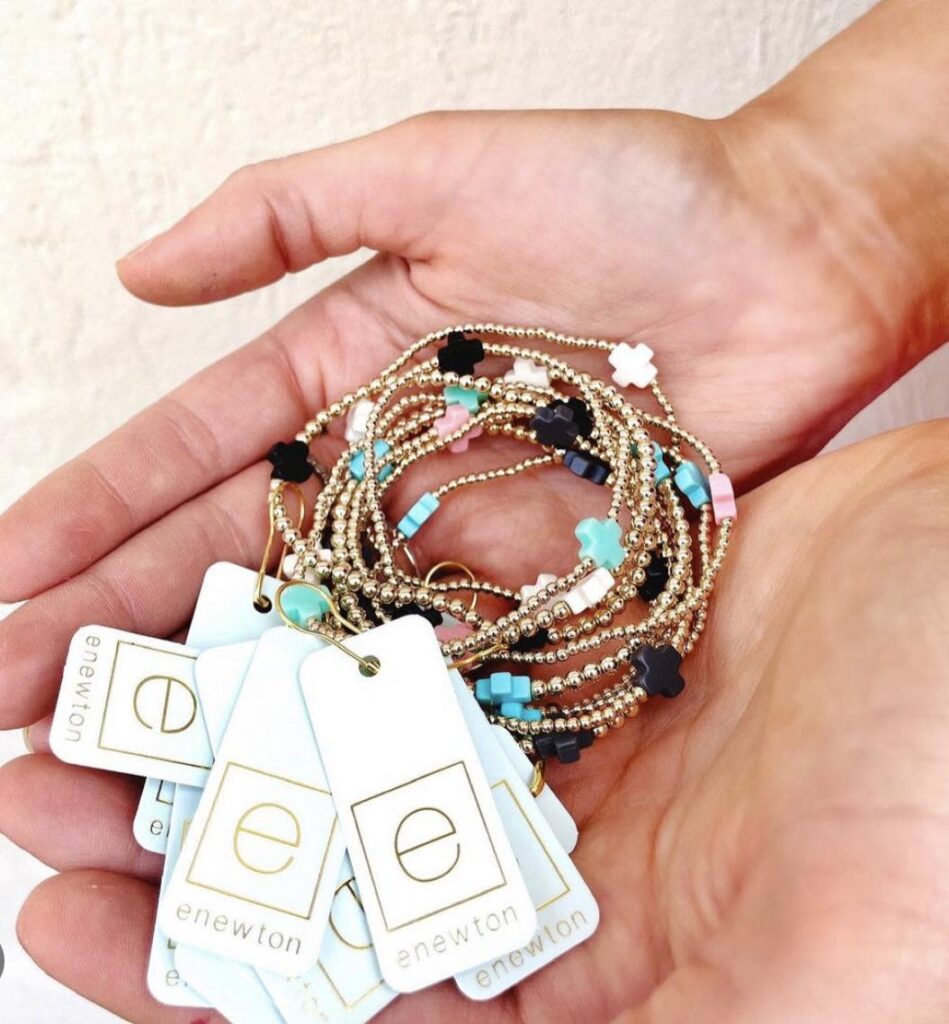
369,666
263,604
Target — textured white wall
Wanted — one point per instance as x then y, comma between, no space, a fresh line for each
116,116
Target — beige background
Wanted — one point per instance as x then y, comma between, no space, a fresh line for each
116,116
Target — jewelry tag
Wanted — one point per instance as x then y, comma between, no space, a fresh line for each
440,885
256,874
346,985
153,817
231,987
224,614
164,981
567,913
558,817
219,675
128,704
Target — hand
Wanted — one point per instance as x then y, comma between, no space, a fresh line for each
625,225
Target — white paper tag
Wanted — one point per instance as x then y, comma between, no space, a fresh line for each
164,981
232,988
224,614
153,817
558,817
567,913
440,885
346,986
128,704
256,876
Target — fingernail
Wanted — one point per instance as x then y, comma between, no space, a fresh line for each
27,742
138,249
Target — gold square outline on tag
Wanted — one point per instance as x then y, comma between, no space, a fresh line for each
243,899
487,832
108,697
158,797
339,995
566,885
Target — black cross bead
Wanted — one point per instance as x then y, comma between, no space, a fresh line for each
581,414
291,461
565,746
532,643
657,576
658,670
460,354
429,614
587,467
555,427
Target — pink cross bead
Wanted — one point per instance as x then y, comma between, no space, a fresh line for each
455,417
723,497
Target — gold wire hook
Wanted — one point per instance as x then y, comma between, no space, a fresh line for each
368,666
539,778
455,565
263,603
471,659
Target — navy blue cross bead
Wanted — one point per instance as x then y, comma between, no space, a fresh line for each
555,427
658,670
565,746
657,576
587,466
580,412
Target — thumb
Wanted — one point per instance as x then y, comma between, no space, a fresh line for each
384,191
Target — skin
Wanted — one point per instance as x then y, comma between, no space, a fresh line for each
772,845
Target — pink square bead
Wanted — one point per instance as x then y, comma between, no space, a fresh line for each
456,416
723,497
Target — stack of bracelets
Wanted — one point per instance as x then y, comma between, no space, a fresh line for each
662,542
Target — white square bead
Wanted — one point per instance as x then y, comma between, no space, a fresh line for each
357,419
633,365
527,591
526,371
589,591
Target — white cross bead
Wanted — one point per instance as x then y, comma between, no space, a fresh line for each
633,365
357,419
589,591
526,371
527,591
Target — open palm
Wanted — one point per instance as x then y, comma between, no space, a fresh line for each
736,838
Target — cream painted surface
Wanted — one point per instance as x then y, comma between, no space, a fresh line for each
117,116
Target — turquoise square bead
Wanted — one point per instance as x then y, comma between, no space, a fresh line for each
503,686
357,464
470,398
515,709
409,524
693,485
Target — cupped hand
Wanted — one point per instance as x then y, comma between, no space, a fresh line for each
717,830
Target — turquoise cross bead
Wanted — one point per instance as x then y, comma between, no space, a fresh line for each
693,485
302,604
515,709
409,524
600,539
662,470
502,686
468,397
357,464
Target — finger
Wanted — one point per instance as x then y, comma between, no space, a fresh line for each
214,425
148,585
385,191
70,817
92,931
